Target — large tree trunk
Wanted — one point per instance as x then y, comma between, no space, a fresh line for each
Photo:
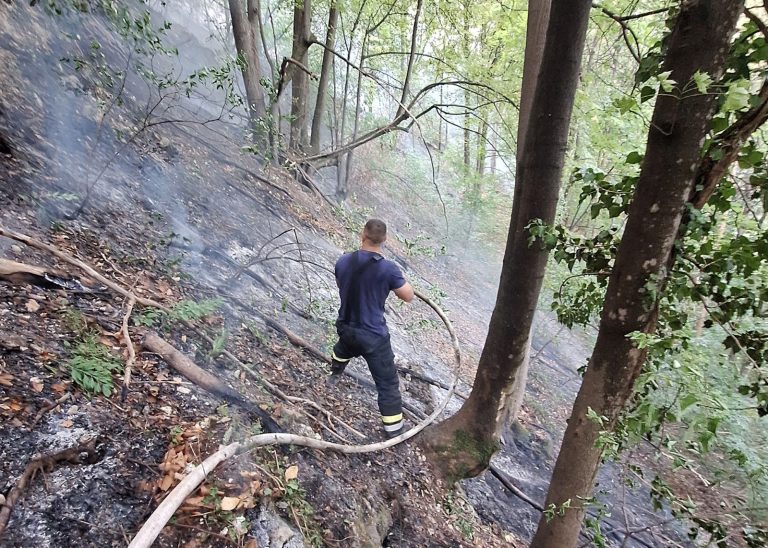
302,17
243,28
325,75
698,42
463,444
535,38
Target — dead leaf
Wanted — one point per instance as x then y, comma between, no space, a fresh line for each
166,483
59,387
66,423
252,544
32,305
6,379
36,384
229,503
194,501
292,472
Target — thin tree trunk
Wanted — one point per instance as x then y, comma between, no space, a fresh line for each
343,191
302,17
465,49
482,148
467,131
698,42
245,42
411,57
341,176
535,39
485,412
325,74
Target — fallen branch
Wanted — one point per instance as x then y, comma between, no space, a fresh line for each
151,529
512,488
37,244
154,343
83,453
49,407
131,349
429,380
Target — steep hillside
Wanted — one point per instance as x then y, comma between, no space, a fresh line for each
153,184
179,215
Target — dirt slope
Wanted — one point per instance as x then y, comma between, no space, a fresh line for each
174,214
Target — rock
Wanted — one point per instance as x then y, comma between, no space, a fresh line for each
372,525
269,529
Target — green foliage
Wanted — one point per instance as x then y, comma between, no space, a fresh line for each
92,365
183,311
190,311
459,512
219,344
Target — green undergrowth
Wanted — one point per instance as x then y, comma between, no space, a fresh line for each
92,365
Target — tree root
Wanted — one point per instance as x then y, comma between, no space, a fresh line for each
83,453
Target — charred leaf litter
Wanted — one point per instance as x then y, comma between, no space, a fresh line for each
175,215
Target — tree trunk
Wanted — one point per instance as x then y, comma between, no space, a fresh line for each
463,445
325,74
343,191
482,148
411,58
302,17
467,132
698,42
535,39
245,42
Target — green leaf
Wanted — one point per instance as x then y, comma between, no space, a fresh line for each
702,81
737,96
688,401
625,104
634,157
665,82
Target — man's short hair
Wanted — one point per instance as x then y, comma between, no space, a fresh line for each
376,231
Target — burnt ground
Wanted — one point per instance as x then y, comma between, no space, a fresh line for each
175,214
180,215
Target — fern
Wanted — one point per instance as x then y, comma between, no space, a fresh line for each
91,367
189,310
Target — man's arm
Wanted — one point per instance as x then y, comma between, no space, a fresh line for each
405,292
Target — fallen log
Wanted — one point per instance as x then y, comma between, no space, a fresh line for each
189,369
48,278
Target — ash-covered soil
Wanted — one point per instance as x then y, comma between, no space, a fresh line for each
178,214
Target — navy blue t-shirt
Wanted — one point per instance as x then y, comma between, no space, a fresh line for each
373,286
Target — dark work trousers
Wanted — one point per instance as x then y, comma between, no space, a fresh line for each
377,352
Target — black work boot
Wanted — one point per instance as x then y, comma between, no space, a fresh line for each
337,370
394,433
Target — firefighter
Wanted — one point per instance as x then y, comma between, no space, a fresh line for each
365,278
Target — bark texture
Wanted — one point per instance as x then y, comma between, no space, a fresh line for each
698,42
244,28
463,445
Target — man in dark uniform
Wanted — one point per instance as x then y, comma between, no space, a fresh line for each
365,279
